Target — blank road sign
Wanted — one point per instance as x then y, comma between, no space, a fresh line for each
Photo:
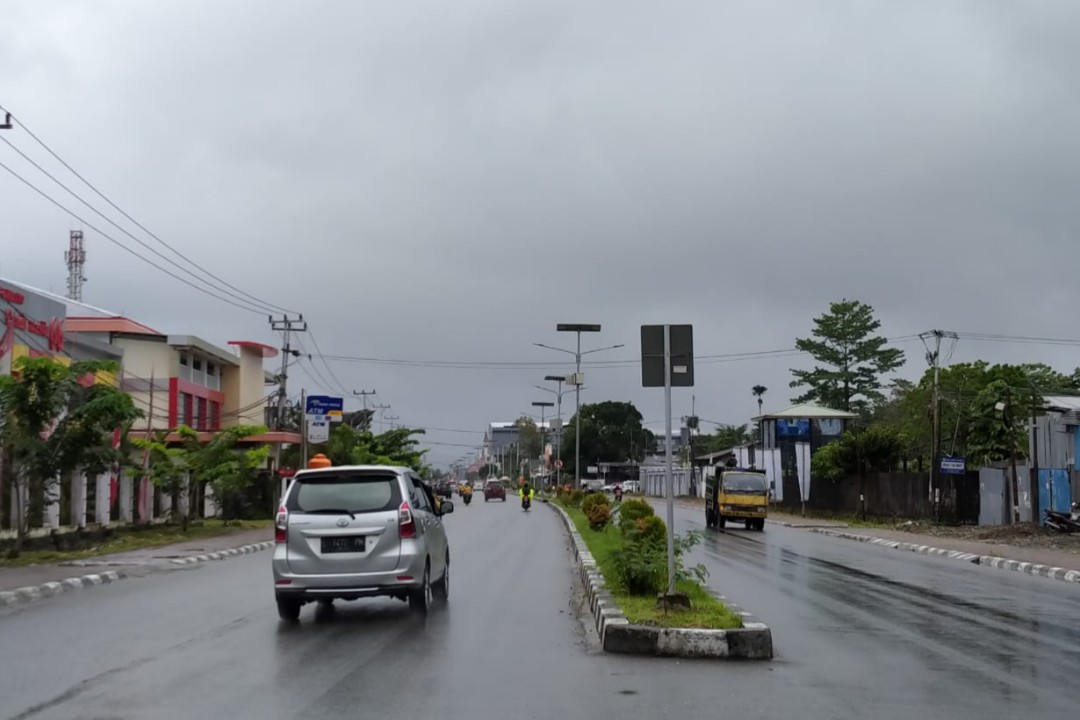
682,355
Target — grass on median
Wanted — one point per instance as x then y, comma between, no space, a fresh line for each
705,611
125,539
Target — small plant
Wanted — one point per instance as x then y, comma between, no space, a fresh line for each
592,500
599,516
641,564
575,498
632,510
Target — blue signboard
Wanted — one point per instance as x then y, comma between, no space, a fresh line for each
324,405
954,465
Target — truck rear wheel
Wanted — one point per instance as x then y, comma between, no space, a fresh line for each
721,522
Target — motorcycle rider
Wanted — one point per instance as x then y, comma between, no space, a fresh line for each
526,494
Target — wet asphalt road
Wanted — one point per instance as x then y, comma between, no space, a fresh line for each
859,633
885,631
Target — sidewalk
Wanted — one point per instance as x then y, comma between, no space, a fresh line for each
134,562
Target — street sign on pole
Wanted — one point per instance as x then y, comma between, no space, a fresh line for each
667,360
953,465
332,408
318,430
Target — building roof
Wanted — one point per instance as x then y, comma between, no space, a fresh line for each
1062,402
806,411
113,324
196,343
267,351
74,307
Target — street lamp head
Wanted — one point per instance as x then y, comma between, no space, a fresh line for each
555,378
577,327
543,403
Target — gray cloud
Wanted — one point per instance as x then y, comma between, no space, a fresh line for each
449,180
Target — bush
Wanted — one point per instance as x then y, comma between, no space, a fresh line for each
575,498
599,515
641,564
592,500
630,511
651,529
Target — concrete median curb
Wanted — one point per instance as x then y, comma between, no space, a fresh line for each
33,593
1034,569
753,641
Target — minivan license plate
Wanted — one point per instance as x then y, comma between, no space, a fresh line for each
343,544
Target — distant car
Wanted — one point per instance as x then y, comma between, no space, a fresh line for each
359,531
494,490
593,485
631,486
443,489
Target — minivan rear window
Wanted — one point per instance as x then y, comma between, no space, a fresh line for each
349,492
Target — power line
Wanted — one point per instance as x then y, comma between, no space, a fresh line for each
125,247
120,210
103,216
318,350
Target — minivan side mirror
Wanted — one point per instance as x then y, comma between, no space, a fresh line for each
446,507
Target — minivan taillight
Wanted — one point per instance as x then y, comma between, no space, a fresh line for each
281,525
406,524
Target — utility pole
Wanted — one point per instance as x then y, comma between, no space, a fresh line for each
1034,480
75,257
363,395
382,411
285,325
543,405
392,418
1011,429
934,359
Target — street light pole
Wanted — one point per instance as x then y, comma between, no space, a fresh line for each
577,328
543,404
560,379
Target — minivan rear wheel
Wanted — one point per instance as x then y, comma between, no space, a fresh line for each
442,590
288,609
420,599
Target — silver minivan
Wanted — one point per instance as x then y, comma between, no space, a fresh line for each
359,531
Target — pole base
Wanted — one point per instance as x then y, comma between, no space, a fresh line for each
674,601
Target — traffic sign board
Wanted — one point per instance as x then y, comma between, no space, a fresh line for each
954,465
324,405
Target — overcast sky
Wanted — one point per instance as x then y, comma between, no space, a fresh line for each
448,180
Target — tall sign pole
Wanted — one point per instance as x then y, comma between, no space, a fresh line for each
667,360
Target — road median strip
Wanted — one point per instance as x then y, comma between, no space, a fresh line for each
32,593
1028,568
618,635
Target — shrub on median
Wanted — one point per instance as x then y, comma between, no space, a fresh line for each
641,562
593,499
632,510
574,498
599,515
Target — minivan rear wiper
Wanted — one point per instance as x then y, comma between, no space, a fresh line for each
332,511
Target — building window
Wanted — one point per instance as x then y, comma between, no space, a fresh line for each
215,415
200,414
183,359
186,416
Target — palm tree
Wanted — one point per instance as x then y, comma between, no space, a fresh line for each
759,392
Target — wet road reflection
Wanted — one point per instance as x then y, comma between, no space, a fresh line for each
899,627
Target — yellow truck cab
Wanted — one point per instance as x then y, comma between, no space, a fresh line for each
737,494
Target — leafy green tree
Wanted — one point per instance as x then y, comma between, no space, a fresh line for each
759,392
529,437
963,407
222,463
853,358
349,446
168,470
52,423
726,436
876,449
610,431
994,434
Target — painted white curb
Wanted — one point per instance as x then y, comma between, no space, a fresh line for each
32,593
1046,571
